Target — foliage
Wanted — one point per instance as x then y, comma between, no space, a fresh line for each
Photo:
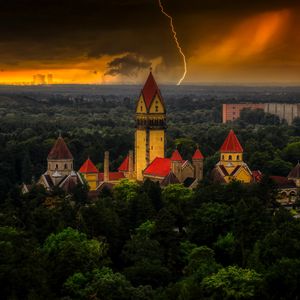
232,283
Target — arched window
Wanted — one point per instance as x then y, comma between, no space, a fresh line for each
66,166
156,108
141,108
230,157
56,166
223,157
238,157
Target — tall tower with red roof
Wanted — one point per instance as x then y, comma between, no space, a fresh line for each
150,126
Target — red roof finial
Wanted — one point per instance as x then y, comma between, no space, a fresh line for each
231,144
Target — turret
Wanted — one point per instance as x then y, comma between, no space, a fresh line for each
197,160
176,164
231,151
60,159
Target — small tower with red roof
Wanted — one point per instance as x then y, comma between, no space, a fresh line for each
150,126
231,151
176,163
90,174
60,159
197,160
231,165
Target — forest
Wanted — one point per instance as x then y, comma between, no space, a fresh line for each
139,241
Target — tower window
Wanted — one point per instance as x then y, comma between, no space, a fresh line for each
156,108
66,166
223,157
141,108
230,157
238,157
56,166
161,139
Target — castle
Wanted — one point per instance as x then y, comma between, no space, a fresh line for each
148,160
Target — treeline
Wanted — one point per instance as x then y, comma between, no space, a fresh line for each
29,126
141,242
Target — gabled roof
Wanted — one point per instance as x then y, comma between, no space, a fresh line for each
159,167
283,182
60,150
231,144
88,167
176,156
295,172
150,90
124,167
169,179
198,154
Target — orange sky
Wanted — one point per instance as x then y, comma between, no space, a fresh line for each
259,46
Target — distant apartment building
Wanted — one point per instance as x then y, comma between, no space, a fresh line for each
50,79
284,111
232,112
39,79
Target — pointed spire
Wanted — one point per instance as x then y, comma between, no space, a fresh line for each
88,167
295,172
60,150
176,156
231,144
198,154
124,166
150,90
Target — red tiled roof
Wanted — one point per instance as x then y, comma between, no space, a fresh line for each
60,150
88,167
176,156
124,167
257,175
231,144
159,167
283,181
112,176
198,155
150,90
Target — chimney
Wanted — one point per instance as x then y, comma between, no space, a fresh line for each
130,163
106,166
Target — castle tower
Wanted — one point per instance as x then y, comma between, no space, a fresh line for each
60,159
90,174
231,165
150,127
197,160
231,152
176,164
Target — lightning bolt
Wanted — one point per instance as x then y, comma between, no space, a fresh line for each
175,39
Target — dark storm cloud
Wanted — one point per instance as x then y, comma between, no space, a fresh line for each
127,65
60,30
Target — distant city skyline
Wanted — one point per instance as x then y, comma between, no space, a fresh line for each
225,42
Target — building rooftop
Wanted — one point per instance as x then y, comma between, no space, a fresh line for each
231,144
60,150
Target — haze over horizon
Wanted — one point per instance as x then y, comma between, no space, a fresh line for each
97,42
